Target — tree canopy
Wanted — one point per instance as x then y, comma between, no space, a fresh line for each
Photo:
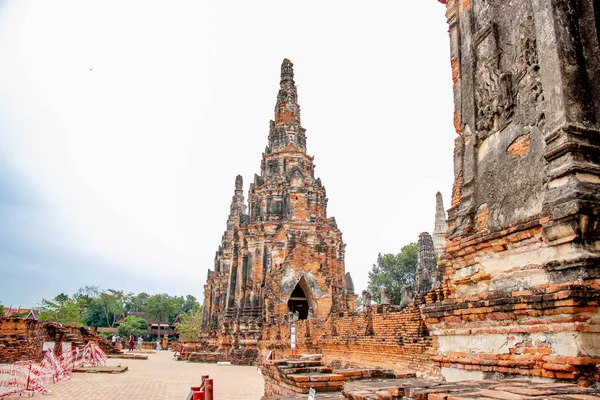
394,271
96,307
162,306
103,307
189,327
136,303
63,309
133,325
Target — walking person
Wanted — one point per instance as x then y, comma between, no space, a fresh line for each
131,341
140,341
114,340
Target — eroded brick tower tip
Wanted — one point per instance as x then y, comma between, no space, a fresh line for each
283,258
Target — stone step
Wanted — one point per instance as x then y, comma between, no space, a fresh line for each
304,363
303,370
322,386
316,357
363,373
315,377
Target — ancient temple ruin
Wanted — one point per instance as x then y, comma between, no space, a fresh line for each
521,265
519,287
281,257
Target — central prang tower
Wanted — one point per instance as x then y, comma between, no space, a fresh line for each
284,259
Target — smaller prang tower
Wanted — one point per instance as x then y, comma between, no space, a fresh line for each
441,227
285,256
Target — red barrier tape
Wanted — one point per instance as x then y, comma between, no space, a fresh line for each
29,378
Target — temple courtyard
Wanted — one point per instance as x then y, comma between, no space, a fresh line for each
160,377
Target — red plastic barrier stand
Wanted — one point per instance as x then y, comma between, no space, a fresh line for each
199,396
208,389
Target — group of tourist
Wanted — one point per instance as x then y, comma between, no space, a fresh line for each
117,340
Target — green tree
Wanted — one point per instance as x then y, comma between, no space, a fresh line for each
394,271
190,303
161,307
178,307
183,305
93,314
112,303
63,309
2,312
132,324
189,327
103,307
136,303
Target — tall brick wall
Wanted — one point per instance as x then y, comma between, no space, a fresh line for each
22,339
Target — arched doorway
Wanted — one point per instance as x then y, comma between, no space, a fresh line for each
298,302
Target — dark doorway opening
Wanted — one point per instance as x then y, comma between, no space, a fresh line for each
298,302
597,17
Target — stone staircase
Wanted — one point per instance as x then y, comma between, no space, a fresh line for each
292,377
299,376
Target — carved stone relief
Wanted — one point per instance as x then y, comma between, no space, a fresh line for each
529,92
493,87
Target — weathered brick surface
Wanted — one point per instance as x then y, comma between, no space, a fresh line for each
385,337
281,253
520,146
521,264
288,377
22,339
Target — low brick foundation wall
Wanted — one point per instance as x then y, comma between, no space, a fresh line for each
385,337
539,332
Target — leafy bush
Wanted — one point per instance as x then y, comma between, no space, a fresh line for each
132,324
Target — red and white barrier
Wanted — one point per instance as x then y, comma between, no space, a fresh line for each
13,380
93,356
29,378
36,379
52,368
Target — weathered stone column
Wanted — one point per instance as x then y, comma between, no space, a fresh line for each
522,257
427,272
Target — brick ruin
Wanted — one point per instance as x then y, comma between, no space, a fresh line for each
282,259
518,288
521,280
22,338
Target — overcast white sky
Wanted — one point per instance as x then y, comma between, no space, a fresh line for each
124,123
